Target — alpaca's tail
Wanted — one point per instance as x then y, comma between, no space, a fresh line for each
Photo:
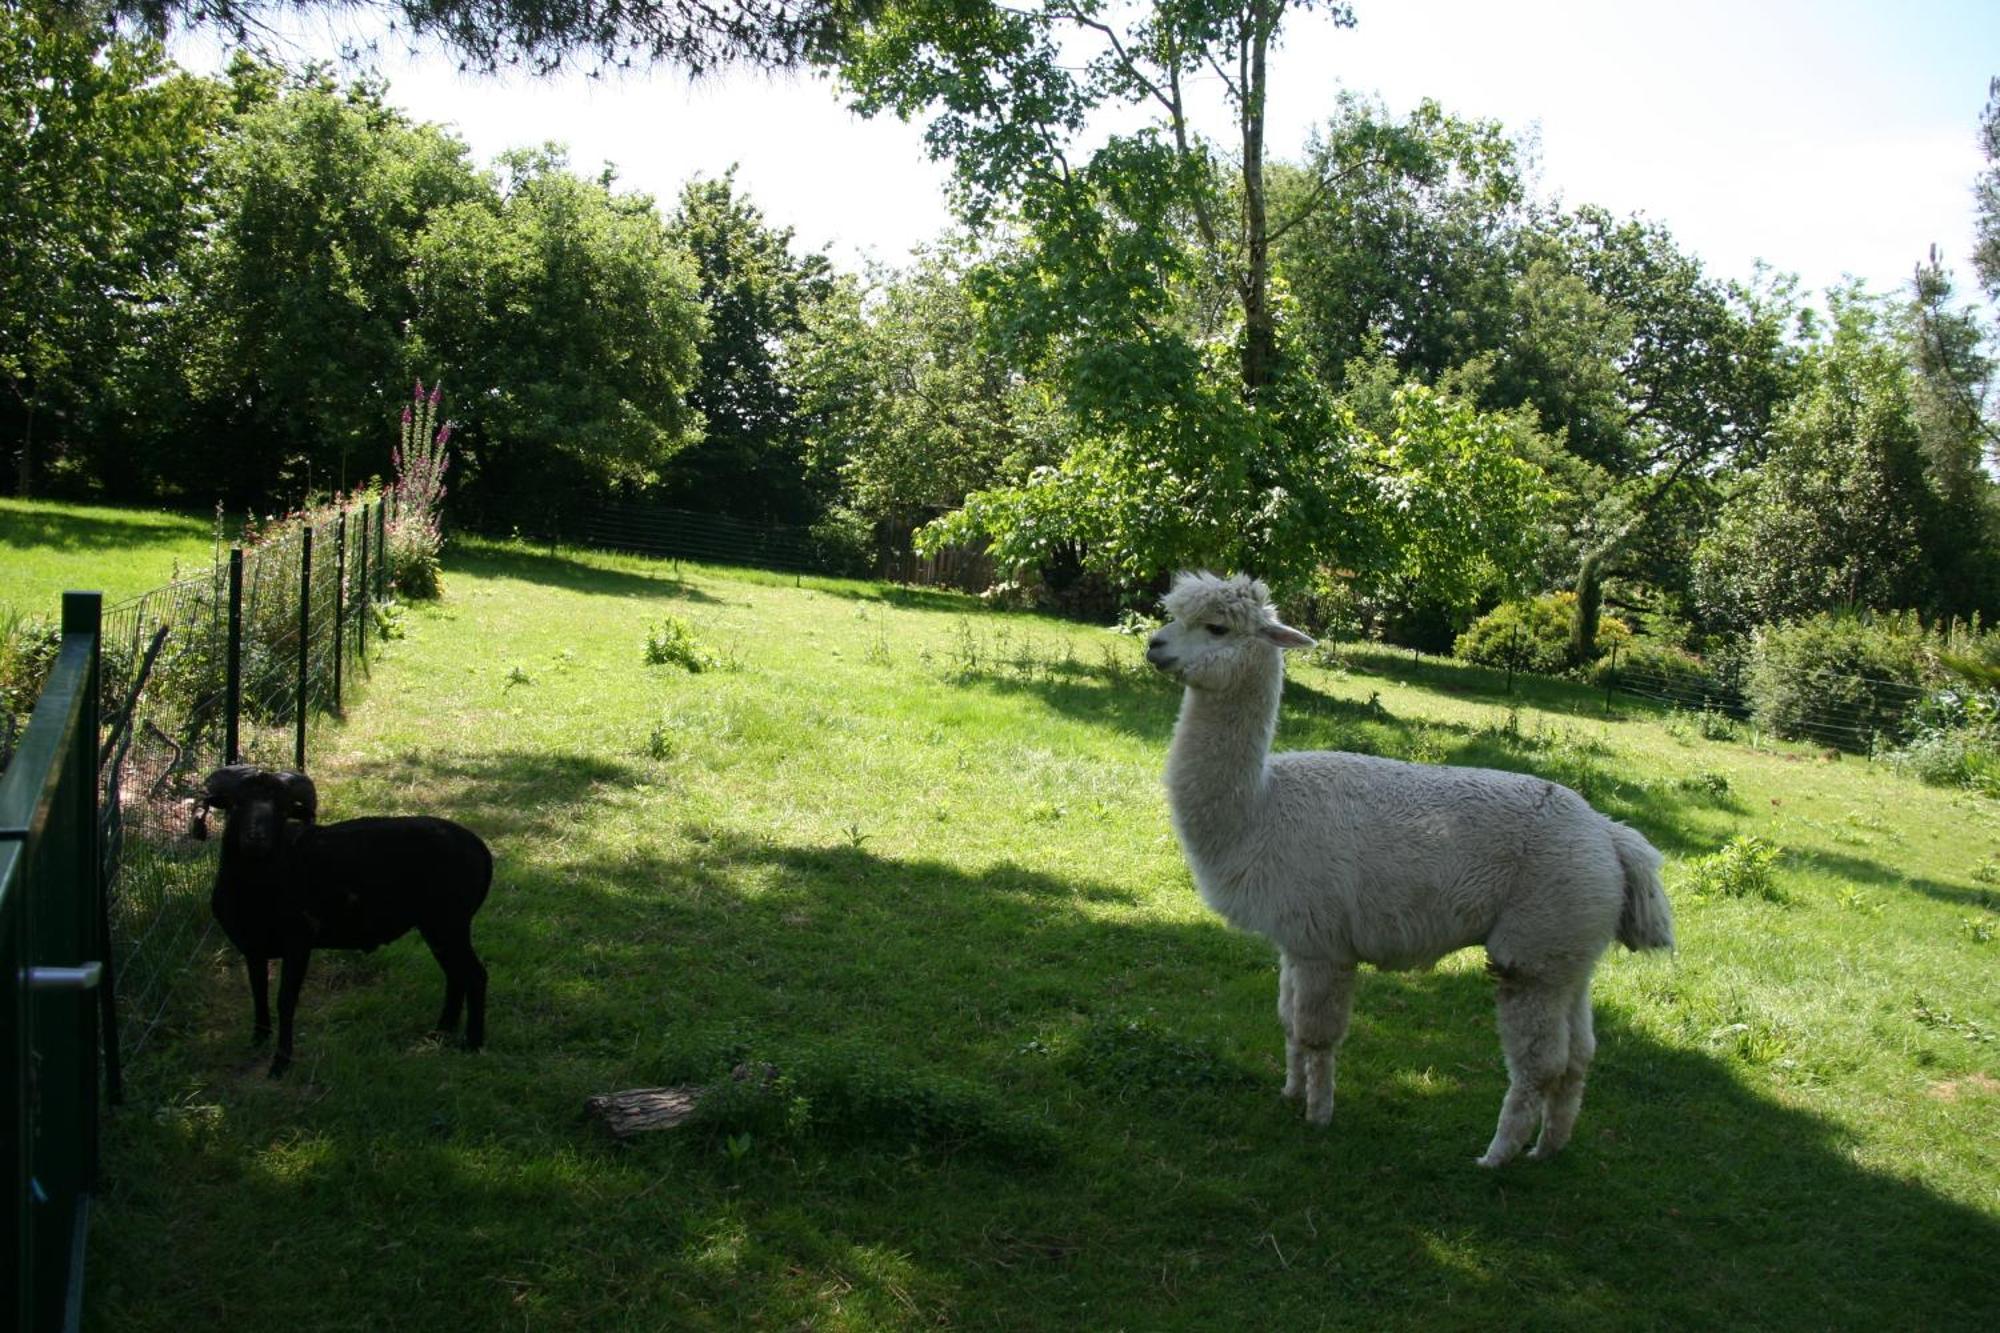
1647,921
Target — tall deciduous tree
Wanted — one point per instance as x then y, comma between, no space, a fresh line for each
303,300
569,323
912,405
1413,253
1194,435
101,146
1840,514
758,297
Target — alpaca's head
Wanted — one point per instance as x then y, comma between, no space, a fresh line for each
1221,632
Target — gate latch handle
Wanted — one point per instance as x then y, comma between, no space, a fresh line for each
85,976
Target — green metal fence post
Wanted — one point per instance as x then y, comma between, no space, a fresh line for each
339,604
232,689
305,647
366,588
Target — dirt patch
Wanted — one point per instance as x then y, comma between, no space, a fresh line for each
1960,1089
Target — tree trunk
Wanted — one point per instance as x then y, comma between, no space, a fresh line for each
1260,331
24,474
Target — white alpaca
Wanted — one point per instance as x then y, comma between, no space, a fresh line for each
1341,859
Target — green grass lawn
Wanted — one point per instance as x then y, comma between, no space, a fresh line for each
49,548
915,857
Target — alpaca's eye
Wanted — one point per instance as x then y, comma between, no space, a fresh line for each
1217,630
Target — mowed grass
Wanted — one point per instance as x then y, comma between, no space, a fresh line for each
906,865
48,548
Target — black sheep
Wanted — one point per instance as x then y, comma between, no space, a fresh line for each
288,885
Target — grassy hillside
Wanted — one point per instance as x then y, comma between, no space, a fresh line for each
906,864
47,549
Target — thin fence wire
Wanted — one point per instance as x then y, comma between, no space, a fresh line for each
639,527
1846,712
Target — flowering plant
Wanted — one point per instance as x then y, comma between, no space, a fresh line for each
417,493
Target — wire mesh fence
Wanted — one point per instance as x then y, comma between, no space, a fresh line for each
238,664
1839,711
640,528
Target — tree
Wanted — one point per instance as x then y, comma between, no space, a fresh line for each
101,148
1657,375
302,301
916,407
570,325
1951,344
757,296
1194,432
1840,514
698,36
1413,253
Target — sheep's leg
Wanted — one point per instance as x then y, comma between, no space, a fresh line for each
445,950
290,980
464,980
259,970
1322,997
1567,1099
1534,1034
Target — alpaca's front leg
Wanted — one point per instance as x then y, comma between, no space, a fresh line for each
1322,995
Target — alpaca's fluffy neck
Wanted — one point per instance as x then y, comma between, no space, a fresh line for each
1217,762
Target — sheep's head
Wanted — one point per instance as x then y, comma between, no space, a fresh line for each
1219,629
257,801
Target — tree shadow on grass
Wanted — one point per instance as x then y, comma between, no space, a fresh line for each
553,569
498,793
1181,1201
1863,870
84,532
903,596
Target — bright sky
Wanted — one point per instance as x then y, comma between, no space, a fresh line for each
1827,137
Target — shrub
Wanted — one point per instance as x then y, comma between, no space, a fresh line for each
1953,739
845,542
1741,869
28,646
672,643
1533,635
1844,680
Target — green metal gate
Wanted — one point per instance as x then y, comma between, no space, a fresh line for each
53,951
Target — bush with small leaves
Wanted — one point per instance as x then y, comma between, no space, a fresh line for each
1743,868
672,642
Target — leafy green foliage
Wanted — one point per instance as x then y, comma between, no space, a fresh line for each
302,300
1745,867
759,299
672,642
1531,635
552,271
103,147
1840,514
1846,678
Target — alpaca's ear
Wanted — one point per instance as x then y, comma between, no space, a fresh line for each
1287,637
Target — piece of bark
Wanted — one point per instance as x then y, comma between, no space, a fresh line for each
637,1110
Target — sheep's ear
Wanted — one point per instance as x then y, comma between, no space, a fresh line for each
304,796
1286,637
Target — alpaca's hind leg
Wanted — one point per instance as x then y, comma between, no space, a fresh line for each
1567,1098
1322,996
1534,1034
1295,1075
